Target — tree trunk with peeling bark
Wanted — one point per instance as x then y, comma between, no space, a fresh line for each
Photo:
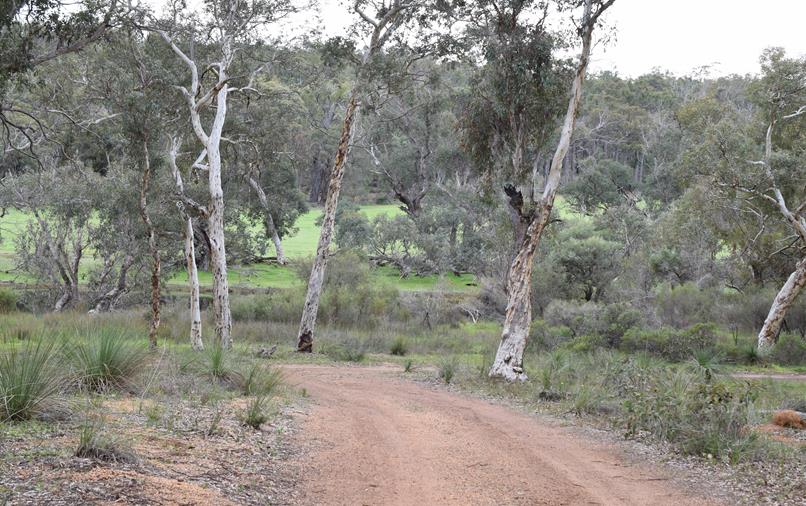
153,249
783,301
108,300
317,278
508,362
190,253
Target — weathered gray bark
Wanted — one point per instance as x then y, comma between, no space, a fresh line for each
508,362
109,299
269,221
316,280
153,249
783,301
190,253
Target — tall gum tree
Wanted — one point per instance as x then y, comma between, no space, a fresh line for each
390,15
228,26
508,362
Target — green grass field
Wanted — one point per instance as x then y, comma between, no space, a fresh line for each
302,244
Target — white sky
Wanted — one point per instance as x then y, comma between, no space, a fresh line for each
675,35
680,35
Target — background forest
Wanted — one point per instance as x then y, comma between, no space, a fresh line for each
136,142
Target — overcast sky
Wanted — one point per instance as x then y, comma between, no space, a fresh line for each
675,35
681,35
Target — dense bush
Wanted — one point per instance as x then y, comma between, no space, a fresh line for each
789,350
8,300
684,305
671,344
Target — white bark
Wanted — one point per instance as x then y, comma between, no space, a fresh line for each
783,301
215,208
508,362
797,280
196,341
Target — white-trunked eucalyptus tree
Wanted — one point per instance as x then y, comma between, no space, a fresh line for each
388,17
222,30
534,213
196,341
783,95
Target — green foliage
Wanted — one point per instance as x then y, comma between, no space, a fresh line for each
789,350
399,346
107,358
408,366
30,377
684,305
96,442
671,344
255,414
261,381
350,350
447,368
8,300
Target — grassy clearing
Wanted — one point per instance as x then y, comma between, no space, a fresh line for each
302,244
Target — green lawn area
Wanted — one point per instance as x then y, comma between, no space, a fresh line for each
300,245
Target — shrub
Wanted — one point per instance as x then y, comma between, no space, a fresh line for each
95,442
399,347
543,335
579,318
261,380
255,414
108,359
684,305
8,300
30,377
789,350
671,344
351,350
408,366
447,369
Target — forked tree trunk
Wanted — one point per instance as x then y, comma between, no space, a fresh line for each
308,322
508,362
783,300
271,229
193,283
153,250
108,300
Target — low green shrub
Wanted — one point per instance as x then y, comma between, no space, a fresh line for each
96,442
349,350
789,350
447,369
672,344
255,414
399,347
262,380
30,378
8,300
108,359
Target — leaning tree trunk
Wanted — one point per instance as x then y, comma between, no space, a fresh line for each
153,249
783,300
308,322
508,362
271,229
108,300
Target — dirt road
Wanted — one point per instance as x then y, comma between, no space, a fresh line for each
378,439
